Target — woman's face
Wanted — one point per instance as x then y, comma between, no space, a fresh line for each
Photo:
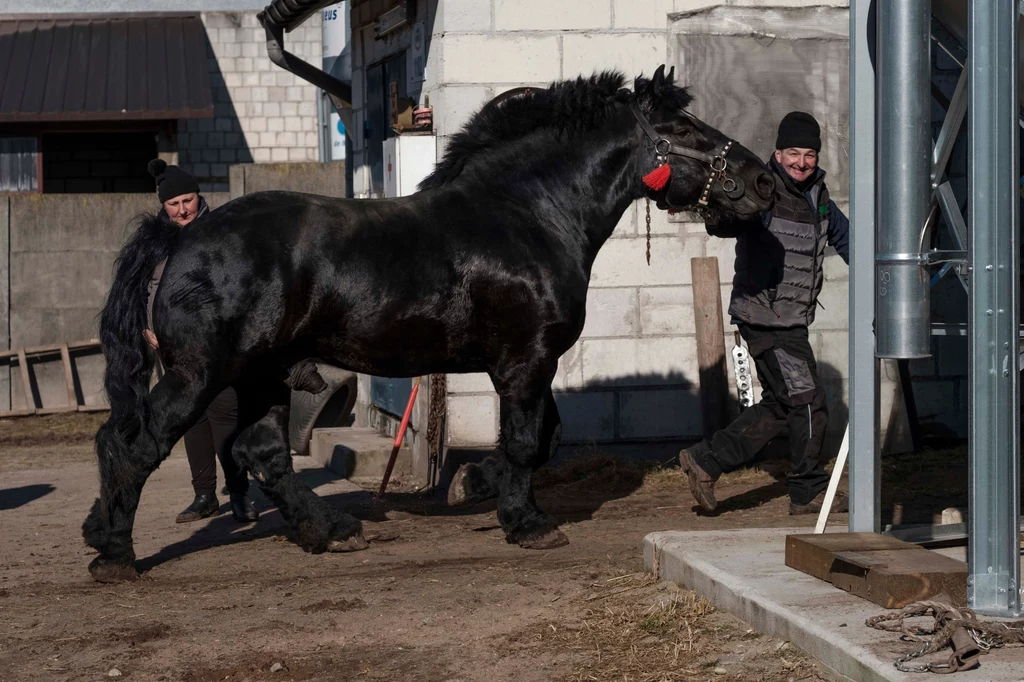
182,209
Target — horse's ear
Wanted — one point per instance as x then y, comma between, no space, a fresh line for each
659,78
671,78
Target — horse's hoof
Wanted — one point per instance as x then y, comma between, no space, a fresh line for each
353,544
113,570
552,539
457,490
379,534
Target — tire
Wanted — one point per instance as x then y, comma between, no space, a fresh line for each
330,408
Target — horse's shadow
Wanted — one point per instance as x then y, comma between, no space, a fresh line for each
572,487
12,498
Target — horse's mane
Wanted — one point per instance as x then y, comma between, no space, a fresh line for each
568,106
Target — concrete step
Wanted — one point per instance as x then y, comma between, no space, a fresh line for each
357,452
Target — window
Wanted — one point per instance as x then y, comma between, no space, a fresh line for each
19,164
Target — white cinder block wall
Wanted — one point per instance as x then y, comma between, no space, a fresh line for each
633,374
262,112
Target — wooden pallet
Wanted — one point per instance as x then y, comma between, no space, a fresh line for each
21,356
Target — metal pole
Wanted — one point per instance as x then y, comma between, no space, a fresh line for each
904,172
865,466
994,504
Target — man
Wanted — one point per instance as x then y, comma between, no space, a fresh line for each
774,297
181,204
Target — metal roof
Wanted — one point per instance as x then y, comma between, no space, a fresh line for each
104,68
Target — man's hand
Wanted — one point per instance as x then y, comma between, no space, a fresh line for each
150,338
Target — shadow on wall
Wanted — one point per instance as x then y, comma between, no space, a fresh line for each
639,411
207,147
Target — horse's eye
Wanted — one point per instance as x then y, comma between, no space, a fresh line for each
683,131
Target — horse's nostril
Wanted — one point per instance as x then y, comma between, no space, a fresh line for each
765,185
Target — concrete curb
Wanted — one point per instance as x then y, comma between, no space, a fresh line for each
674,556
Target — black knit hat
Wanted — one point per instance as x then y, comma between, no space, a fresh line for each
171,181
799,130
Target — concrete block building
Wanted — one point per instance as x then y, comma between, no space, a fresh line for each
94,89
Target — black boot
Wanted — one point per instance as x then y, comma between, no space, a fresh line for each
204,505
243,509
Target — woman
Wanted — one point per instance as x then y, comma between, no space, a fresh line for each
205,441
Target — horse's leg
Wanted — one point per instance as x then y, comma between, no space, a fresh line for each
530,429
262,447
478,482
474,483
175,404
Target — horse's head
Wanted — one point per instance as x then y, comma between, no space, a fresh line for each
705,171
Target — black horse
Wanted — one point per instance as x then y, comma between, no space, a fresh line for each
485,269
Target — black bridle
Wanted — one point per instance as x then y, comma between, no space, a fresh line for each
733,187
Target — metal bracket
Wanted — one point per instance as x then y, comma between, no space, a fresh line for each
276,18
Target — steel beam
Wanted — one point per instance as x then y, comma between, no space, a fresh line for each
950,131
994,483
904,173
865,465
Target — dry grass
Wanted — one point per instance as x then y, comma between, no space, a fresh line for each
595,470
635,629
592,471
55,429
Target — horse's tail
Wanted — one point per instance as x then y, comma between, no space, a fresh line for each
129,358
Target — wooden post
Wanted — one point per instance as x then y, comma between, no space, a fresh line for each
69,379
30,401
707,312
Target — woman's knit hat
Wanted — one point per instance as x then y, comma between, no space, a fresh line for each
171,181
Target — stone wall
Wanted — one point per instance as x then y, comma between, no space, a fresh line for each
326,179
262,112
54,279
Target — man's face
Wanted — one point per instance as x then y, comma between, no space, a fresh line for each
799,163
182,209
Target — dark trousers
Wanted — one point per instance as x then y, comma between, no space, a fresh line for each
209,438
793,397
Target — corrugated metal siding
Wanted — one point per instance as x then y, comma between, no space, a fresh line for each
18,169
104,68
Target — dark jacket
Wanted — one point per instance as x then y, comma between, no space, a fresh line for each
158,271
779,258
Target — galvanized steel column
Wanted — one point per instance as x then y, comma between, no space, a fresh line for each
904,169
865,467
994,513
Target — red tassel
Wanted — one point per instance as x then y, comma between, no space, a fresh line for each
658,178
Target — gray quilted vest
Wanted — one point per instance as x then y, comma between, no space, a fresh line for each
779,267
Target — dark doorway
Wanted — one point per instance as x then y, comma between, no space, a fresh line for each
378,113
98,162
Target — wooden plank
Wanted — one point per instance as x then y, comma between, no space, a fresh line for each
93,408
707,310
56,410
894,578
49,350
16,413
69,379
26,382
814,554
882,569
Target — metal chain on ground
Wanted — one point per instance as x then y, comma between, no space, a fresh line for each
648,231
436,415
958,628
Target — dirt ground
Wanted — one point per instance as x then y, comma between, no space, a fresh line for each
447,599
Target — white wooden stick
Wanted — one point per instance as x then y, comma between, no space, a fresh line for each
833,483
